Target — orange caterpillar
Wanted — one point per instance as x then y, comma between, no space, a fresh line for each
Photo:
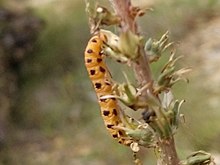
101,81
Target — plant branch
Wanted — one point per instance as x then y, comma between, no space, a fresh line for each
141,65
169,155
123,9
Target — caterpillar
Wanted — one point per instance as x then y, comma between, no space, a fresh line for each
101,80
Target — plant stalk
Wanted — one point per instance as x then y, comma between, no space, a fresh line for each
143,75
168,155
141,65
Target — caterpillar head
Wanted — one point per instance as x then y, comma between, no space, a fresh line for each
109,38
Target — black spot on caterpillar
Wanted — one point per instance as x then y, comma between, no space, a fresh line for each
100,78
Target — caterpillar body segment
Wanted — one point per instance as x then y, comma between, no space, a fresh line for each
101,80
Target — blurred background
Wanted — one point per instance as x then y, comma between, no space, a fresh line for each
48,109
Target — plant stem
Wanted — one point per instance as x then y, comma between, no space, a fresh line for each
143,75
141,65
168,152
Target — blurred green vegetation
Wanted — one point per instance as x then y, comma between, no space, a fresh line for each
55,118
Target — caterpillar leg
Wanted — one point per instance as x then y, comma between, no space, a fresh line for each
130,96
137,161
141,133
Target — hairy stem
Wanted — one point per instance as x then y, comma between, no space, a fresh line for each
141,65
143,74
168,152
